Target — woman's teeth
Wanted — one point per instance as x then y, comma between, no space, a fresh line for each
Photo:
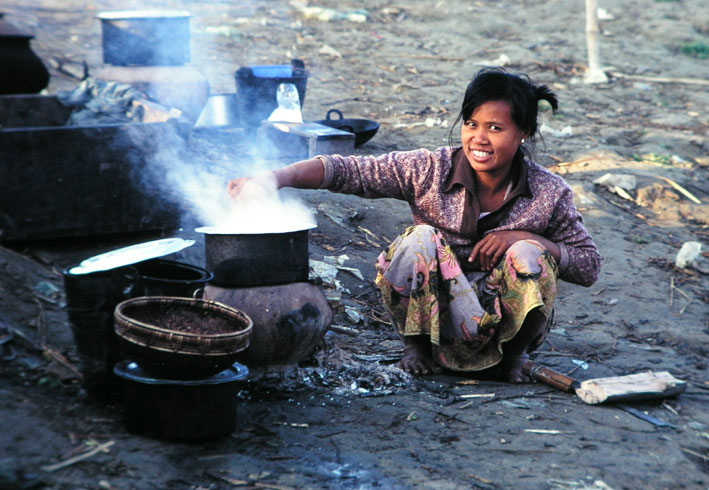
481,154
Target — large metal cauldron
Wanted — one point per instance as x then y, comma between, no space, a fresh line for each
256,259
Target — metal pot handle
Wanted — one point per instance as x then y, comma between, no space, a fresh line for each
333,111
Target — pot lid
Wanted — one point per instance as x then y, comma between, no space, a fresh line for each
131,255
142,14
266,229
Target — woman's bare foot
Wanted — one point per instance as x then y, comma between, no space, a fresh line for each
512,369
515,352
416,358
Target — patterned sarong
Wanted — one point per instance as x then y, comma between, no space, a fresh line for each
466,316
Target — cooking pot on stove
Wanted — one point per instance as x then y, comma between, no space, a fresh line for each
145,37
256,259
363,129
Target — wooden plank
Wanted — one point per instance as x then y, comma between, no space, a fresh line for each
631,387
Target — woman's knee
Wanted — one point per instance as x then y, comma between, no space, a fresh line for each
524,256
418,238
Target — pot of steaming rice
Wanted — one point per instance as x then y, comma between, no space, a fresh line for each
241,259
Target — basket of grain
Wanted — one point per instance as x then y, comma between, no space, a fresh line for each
181,338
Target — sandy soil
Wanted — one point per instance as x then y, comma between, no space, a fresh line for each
346,418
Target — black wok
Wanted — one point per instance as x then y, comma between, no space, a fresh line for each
363,129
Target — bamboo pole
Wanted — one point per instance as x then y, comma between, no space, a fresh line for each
594,73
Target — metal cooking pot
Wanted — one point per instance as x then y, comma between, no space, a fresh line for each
145,37
182,410
256,259
363,129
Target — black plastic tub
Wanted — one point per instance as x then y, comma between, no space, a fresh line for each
91,301
256,88
180,410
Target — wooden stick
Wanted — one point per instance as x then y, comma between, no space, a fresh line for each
672,290
684,191
98,449
694,81
594,74
694,453
344,330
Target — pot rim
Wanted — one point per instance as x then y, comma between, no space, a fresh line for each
131,371
214,306
149,14
224,231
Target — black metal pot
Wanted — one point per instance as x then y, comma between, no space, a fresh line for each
241,259
184,410
363,129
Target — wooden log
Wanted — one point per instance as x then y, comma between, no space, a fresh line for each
638,386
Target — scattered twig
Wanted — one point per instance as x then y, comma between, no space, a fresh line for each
681,189
467,382
526,395
352,332
573,369
98,449
672,290
481,479
520,451
696,454
549,431
668,407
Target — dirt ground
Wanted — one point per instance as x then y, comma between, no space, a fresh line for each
347,418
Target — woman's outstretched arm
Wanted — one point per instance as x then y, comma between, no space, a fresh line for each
306,174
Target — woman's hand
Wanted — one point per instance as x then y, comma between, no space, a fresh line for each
246,189
306,174
493,246
235,186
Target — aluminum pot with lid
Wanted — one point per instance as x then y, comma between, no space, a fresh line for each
145,37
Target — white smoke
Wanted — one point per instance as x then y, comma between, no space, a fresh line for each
258,208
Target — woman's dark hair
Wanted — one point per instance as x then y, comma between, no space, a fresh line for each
491,84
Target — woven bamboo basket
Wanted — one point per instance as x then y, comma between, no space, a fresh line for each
181,338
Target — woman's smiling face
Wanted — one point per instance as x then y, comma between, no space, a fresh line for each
490,138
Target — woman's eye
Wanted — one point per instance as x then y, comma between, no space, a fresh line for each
470,124
495,128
